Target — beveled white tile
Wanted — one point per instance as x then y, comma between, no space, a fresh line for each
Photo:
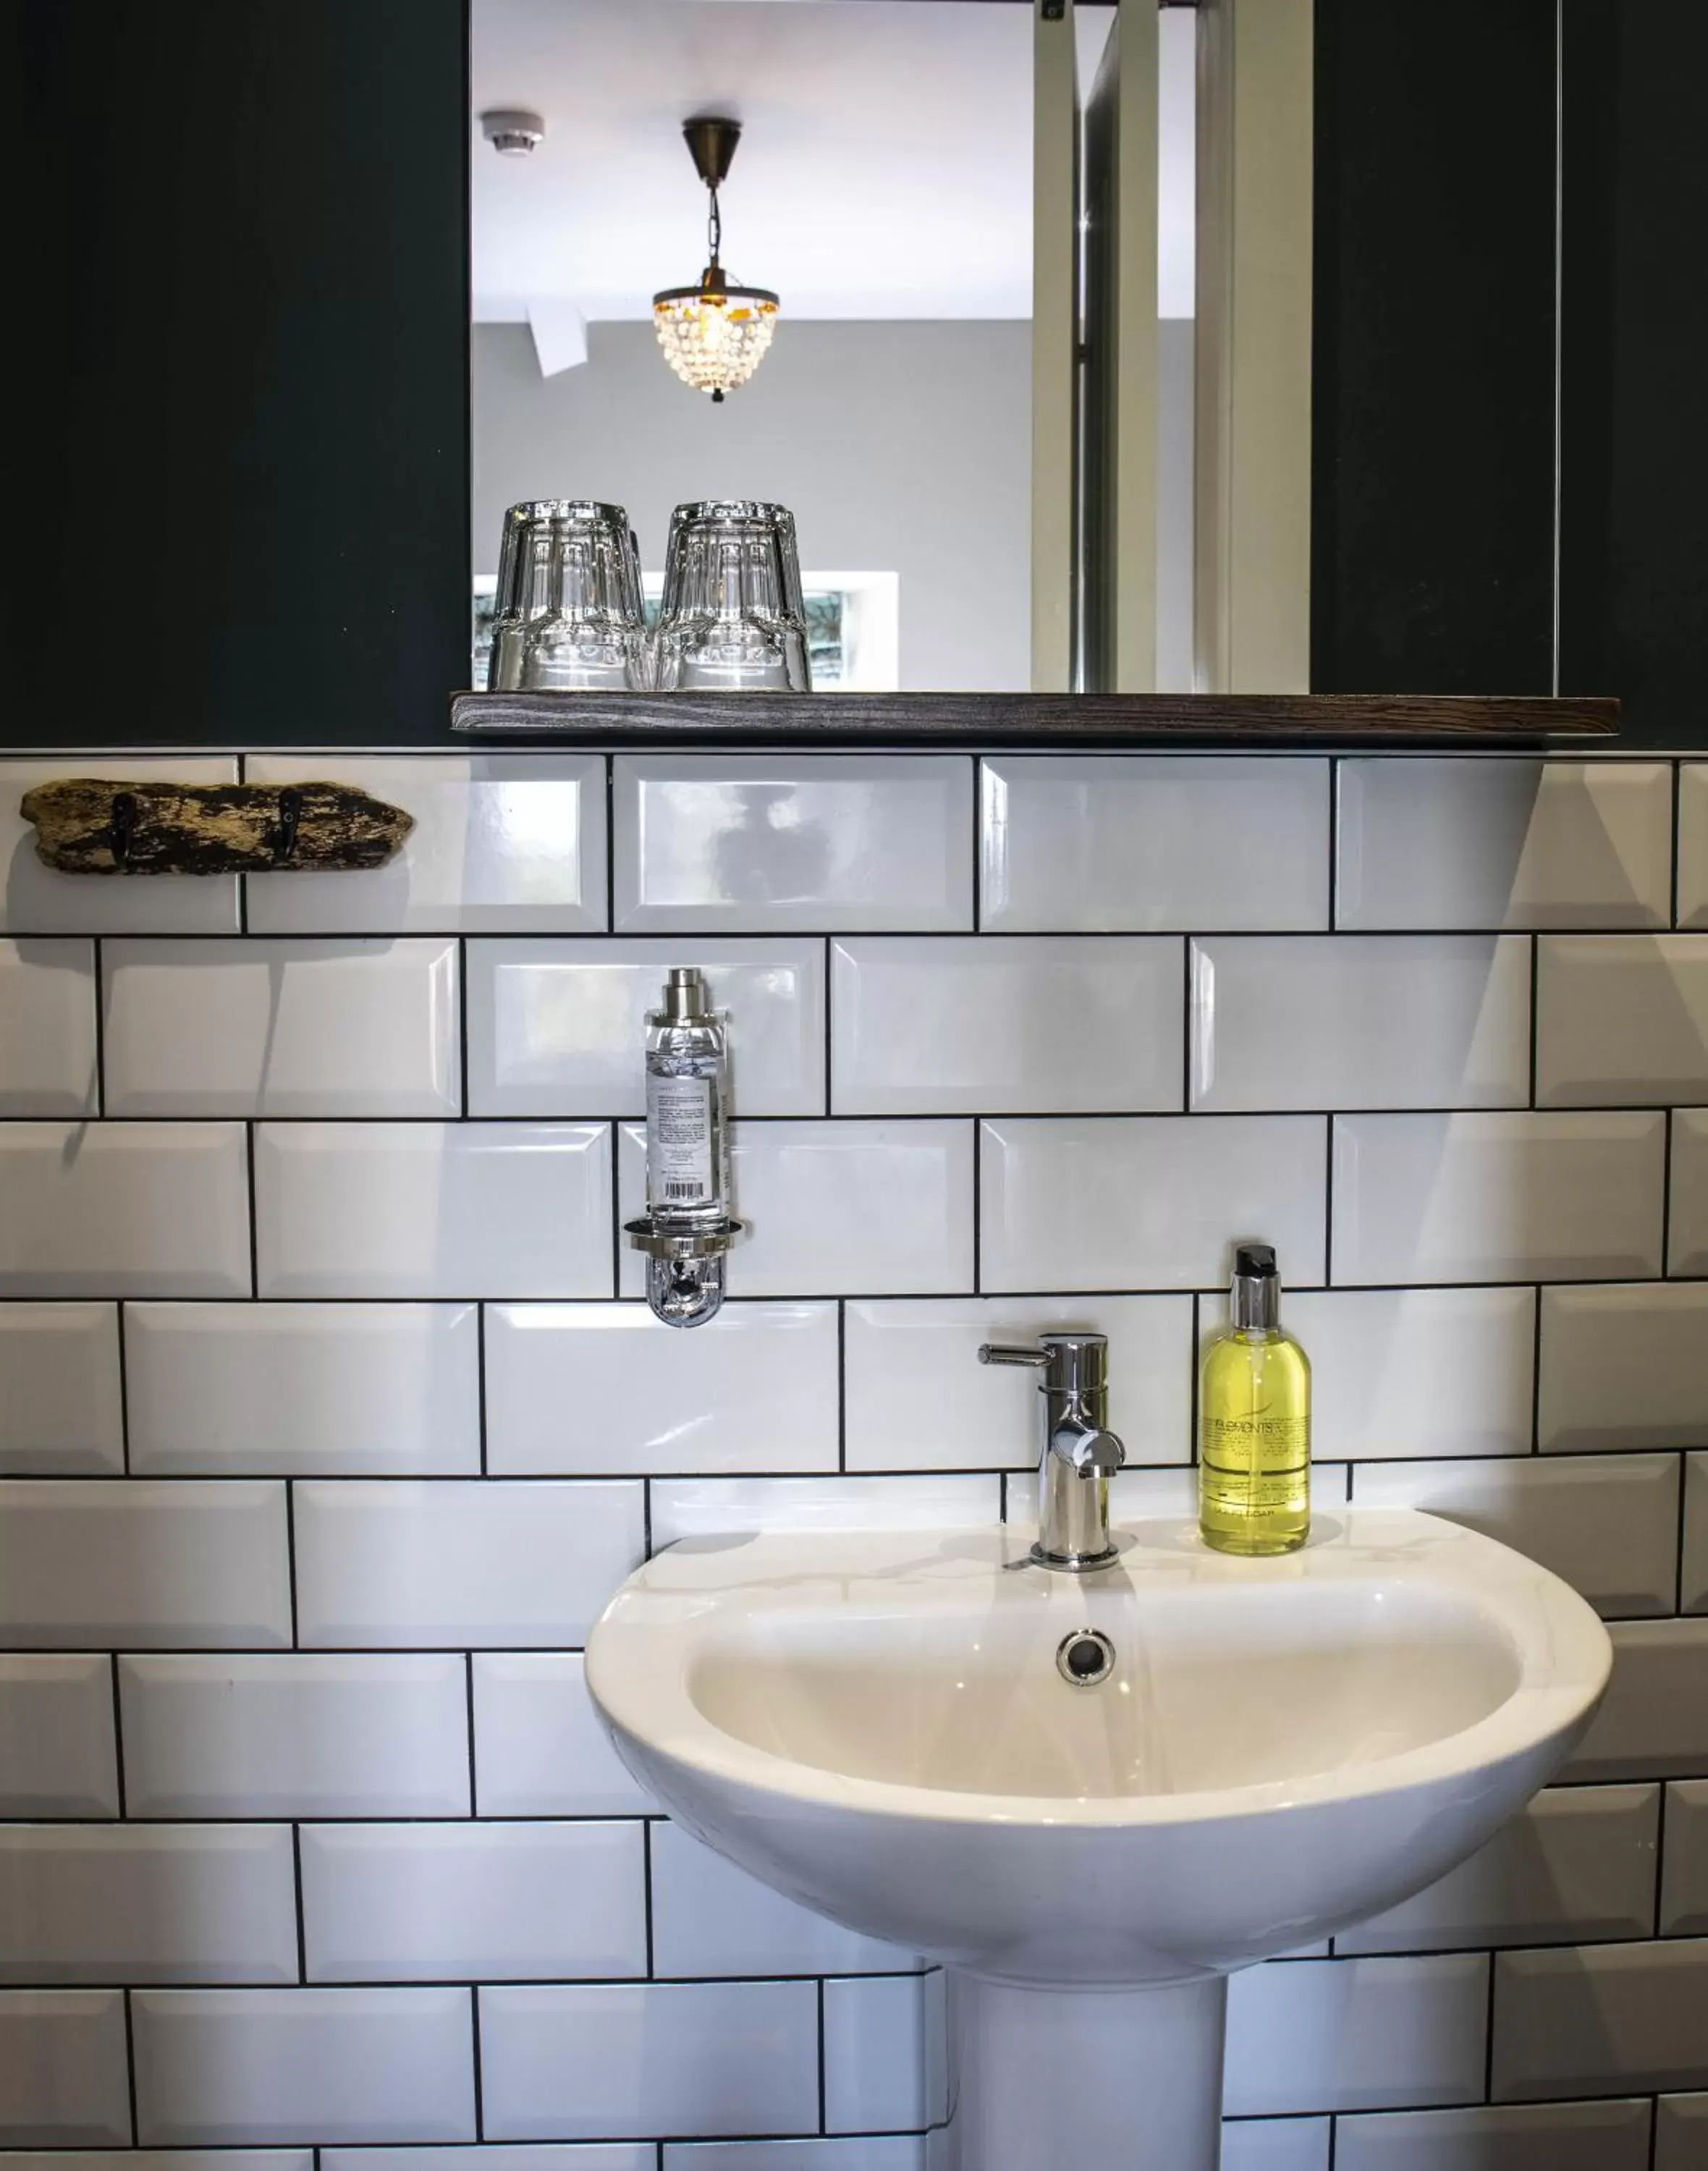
244,1027
1412,1372
169,1903
1624,1366
540,2156
1687,1249
870,2151
753,1389
488,1902
123,1209
1275,2144
1681,2132
1507,1196
958,1025
1143,1496
35,897
1357,2035
787,840
47,1028
835,1209
710,1918
558,1028
433,1210
1621,1018
1111,841
1600,2020
62,2065
455,1563
1653,1723
1147,1202
1361,1021
1684,1868
540,1748
57,1752
1607,1525
60,1405
117,1562
1693,1595
500,841
879,2074
1693,844
287,1734
568,2062
917,1398
723,1506
1578,1864
1594,2136
1448,842
215,2066
303,1389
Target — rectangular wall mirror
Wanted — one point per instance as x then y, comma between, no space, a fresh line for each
884,190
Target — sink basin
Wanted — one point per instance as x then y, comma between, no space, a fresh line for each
876,1723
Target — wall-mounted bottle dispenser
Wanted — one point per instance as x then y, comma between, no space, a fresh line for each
687,1228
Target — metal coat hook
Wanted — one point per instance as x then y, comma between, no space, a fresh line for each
290,814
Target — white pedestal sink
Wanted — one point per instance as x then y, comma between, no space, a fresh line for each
876,1724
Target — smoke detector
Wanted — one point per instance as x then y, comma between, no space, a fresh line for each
512,132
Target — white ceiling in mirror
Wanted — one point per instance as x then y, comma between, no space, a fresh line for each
885,170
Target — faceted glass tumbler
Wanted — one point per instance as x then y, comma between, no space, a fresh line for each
568,611
733,619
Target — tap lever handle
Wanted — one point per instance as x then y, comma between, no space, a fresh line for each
1002,1352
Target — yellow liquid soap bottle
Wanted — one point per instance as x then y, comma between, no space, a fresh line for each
1254,1421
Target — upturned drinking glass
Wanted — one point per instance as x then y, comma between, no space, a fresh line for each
567,609
733,619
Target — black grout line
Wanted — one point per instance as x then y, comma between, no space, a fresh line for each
1188,1024
841,1385
978,1275
1665,1797
249,1162
118,1743
291,1555
475,2050
978,842
1137,1114
480,1381
1329,1203
824,2090
468,1658
616,1131
1334,843
1677,833
96,959
1488,2042
298,1897
829,1027
463,1108
1667,1149
610,841
130,2066
124,1361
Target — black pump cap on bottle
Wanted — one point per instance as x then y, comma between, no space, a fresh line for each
1255,1260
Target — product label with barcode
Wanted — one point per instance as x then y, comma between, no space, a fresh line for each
679,1142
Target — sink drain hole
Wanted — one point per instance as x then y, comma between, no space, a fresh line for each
1085,1658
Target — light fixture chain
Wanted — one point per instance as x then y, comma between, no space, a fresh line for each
714,225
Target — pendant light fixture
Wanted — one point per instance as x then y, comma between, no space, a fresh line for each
714,334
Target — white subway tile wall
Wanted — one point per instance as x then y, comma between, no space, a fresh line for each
325,1433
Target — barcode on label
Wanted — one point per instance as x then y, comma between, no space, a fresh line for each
690,1190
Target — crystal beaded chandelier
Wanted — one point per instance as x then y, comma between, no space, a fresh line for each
715,334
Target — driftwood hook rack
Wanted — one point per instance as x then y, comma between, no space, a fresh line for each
96,826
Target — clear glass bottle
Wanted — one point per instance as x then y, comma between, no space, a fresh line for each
1254,1421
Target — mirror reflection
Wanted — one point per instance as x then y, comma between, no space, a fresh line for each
817,293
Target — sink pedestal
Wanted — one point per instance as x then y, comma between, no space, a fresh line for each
1066,2080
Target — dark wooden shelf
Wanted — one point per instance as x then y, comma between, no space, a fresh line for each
844,720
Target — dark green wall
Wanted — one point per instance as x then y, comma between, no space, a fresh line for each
242,304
